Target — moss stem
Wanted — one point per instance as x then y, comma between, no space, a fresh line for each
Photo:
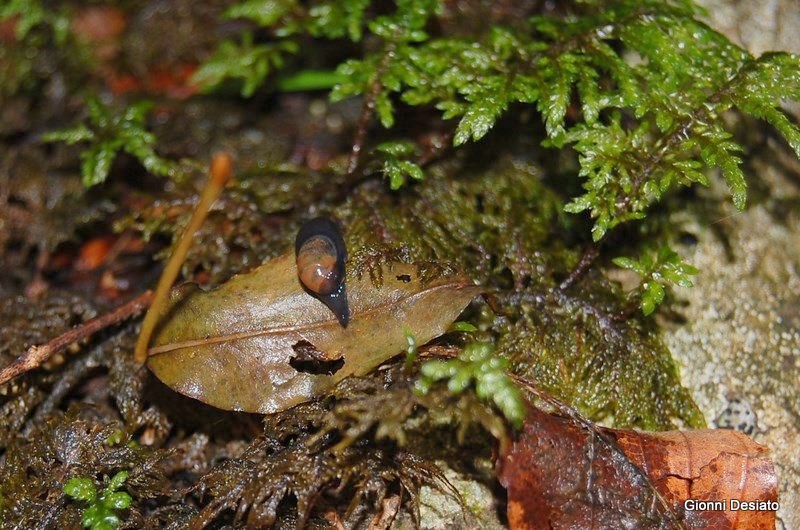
220,173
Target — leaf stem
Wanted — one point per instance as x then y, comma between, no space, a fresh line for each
220,173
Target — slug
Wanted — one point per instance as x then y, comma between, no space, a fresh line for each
321,255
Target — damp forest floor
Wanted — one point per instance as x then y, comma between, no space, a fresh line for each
372,452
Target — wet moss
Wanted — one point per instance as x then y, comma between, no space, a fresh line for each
503,224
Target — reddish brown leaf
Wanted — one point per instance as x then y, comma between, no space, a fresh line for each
171,81
101,27
560,474
93,253
707,465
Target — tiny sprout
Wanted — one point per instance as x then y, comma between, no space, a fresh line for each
397,164
658,270
115,438
411,350
101,514
464,327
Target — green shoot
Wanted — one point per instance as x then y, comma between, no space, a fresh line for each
396,165
107,134
309,80
658,270
477,366
411,351
101,514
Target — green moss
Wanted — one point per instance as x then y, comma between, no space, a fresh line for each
612,370
503,224
672,99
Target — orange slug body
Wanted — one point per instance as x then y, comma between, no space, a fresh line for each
321,254
316,265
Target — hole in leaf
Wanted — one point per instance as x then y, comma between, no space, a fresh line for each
309,360
688,239
479,206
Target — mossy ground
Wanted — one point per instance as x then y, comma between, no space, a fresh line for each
493,209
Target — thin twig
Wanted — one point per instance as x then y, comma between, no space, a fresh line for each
587,259
36,355
436,149
367,110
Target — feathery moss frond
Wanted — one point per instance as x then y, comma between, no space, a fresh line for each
108,133
651,82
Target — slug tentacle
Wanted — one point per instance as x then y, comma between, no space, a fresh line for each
321,256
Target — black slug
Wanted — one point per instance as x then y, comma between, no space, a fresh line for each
321,255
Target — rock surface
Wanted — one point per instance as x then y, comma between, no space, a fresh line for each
742,337
741,341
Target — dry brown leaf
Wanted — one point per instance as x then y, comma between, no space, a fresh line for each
706,465
561,475
237,347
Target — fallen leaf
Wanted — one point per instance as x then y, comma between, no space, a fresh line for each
172,81
707,465
101,28
561,475
260,343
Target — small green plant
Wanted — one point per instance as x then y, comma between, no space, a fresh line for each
246,62
657,270
477,365
101,514
31,13
411,351
396,164
108,133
